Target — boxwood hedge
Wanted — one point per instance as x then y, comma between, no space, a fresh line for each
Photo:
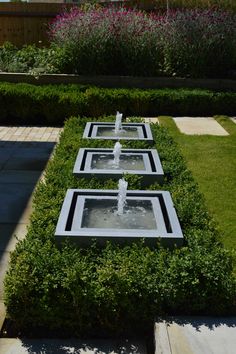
116,289
52,103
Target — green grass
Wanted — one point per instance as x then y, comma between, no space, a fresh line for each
212,160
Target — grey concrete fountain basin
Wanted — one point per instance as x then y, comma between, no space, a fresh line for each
92,214
129,131
100,163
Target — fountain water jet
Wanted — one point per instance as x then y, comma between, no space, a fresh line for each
121,196
118,124
116,153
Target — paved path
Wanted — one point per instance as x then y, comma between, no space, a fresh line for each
24,152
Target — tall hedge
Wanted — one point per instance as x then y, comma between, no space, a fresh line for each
50,104
115,289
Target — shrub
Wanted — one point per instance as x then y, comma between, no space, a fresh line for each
195,43
108,41
53,103
199,43
31,59
99,288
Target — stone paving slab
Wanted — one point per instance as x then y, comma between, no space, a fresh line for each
196,335
27,162
57,346
14,199
199,126
151,120
2,313
233,119
4,261
29,133
19,176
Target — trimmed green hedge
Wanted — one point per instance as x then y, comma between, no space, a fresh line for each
52,103
116,289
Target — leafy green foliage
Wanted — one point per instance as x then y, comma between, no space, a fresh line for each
83,289
52,103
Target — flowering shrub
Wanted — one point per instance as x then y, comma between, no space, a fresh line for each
109,41
199,43
123,41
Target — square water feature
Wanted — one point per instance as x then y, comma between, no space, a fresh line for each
129,131
87,214
101,163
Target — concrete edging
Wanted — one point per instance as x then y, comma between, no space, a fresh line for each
120,81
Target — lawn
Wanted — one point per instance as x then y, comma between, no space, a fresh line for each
212,160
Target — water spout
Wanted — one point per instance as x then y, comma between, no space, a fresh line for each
122,196
118,125
116,153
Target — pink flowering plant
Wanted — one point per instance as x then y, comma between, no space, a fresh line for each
120,41
109,41
200,43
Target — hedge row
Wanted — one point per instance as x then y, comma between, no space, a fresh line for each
52,103
116,289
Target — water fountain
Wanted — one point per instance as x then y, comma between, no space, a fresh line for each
121,196
121,216
118,124
118,130
104,163
117,153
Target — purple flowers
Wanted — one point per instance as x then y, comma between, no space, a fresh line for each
126,41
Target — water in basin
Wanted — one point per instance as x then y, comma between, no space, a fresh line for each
127,132
126,162
102,214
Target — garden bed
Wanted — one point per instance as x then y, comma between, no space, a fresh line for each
79,290
93,40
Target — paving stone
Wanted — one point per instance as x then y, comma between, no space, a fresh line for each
14,201
5,155
29,162
29,133
4,260
200,126
10,234
196,335
19,176
2,313
233,119
57,346
151,120
161,338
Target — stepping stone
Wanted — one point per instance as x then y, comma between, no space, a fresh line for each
233,119
151,120
199,126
